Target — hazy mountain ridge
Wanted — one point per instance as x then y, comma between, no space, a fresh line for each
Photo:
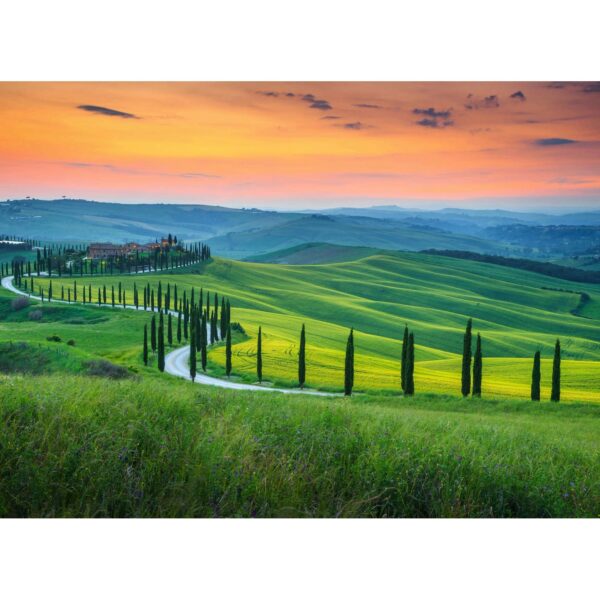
249,232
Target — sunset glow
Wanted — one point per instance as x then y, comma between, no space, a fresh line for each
302,144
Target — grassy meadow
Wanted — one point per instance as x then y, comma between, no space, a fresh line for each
73,446
123,440
517,312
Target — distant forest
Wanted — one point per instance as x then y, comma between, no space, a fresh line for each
544,268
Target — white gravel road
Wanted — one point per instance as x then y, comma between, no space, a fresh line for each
176,361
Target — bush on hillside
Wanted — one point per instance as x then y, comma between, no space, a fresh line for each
71,343
36,315
20,303
238,327
53,338
104,368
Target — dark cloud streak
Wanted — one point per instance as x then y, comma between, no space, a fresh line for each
554,141
108,112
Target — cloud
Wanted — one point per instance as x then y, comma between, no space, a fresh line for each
435,123
84,165
592,87
330,117
197,175
367,106
588,87
431,112
519,96
354,126
109,112
314,102
570,181
485,102
116,169
554,141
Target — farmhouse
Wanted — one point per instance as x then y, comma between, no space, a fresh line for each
106,250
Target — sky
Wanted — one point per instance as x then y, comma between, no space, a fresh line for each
304,145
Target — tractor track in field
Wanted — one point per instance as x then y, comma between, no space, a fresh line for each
177,361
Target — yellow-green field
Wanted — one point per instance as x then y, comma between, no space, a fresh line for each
517,312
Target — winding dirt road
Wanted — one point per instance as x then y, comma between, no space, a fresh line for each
176,361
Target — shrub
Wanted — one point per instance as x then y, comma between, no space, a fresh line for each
36,315
53,338
238,327
20,303
71,343
104,368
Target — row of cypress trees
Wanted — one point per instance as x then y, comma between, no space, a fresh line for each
193,321
472,365
536,375
70,262
474,386
407,361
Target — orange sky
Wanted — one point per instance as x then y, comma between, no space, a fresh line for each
290,145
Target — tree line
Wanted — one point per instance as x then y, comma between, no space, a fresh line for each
203,325
199,321
74,263
471,367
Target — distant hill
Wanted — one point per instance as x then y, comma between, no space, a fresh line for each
345,231
314,254
82,220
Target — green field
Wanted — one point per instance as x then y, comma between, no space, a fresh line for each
516,312
78,440
79,447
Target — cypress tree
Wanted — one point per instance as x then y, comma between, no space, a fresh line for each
169,330
192,352
186,309
153,333
223,323
466,360
204,336
536,375
228,352
410,366
113,296
477,368
179,327
198,328
146,345
259,355
161,344
302,358
213,329
216,302
104,294
555,394
403,361
349,365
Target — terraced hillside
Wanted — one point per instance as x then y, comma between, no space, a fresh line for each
517,312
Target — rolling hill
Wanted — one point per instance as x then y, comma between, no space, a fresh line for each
345,231
516,311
